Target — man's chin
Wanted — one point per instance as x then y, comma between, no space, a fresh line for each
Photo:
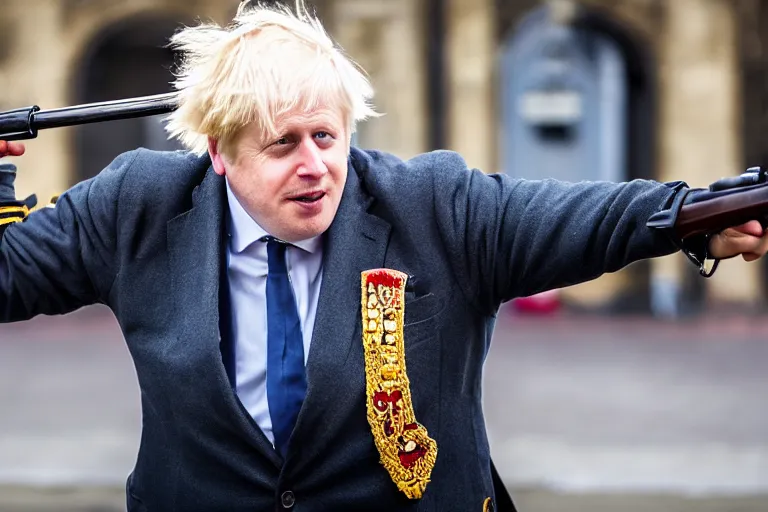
305,232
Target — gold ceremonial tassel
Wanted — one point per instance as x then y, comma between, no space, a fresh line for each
407,452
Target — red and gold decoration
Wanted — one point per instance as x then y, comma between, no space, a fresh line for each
407,452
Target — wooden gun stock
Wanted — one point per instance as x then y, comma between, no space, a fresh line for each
718,213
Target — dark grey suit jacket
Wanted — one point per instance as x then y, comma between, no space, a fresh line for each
146,237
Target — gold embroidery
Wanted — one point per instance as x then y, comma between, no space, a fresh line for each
15,209
10,220
488,505
407,452
11,214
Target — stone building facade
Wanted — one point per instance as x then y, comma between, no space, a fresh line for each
691,79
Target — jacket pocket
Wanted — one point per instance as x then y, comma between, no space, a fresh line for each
421,315
422,308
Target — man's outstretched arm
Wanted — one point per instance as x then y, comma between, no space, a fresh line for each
512,238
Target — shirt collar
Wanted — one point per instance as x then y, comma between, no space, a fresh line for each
244,231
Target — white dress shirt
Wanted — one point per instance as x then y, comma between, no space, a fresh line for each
247,275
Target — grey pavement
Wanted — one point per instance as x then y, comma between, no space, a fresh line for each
631,405
70,402
584,413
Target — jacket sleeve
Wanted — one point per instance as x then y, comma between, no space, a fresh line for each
512,238
62,258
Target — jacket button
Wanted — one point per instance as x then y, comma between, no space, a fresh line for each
287,499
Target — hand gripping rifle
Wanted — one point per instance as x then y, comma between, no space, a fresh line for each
692,217
696,215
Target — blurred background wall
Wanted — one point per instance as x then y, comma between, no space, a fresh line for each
595,89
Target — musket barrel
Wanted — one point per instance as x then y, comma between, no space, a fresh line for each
24,123
105,111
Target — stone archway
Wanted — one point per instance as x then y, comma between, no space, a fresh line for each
127,59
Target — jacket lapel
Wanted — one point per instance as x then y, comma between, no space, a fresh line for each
356,241
198,262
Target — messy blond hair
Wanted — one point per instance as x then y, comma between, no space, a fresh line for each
268,62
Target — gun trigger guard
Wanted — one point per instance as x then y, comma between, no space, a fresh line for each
703,272
701,262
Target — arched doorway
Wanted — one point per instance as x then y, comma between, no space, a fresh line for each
564,103
127,59
578,103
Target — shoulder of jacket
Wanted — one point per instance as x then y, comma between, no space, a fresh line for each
144,178
150,176
439,160
157,169
385,167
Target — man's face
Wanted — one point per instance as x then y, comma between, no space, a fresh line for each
291,184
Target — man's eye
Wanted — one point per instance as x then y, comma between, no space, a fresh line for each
282,141
322,135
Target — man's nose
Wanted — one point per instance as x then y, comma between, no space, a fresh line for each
312,164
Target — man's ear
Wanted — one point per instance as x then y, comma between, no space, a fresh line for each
219,166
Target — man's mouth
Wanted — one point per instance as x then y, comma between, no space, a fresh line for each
310,197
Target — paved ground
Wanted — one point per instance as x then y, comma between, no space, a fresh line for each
631,405
584,414
530,500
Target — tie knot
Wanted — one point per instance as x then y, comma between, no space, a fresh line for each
276,254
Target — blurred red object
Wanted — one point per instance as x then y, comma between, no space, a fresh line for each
541,303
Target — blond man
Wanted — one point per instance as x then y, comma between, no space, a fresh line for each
235,269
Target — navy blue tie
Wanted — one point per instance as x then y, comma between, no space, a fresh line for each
286,377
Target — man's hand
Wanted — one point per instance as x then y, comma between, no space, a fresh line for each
8,171
749,240
11,148
7,178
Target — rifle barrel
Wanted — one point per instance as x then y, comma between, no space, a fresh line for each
24,123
